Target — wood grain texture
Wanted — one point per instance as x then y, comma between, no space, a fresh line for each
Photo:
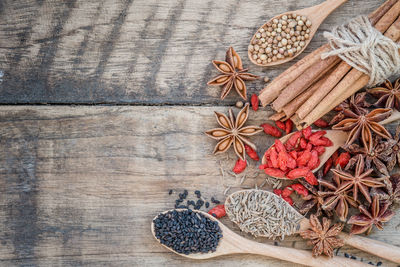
134,51
80,185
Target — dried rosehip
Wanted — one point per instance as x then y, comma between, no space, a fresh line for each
288,126
314,161
274,157
321,123
304,158
320,150
271,130
239,166
294,138
280,125
307,132
343,159
251,153
254,102
263,166
303,143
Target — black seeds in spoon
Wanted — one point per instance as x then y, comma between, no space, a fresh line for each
187,231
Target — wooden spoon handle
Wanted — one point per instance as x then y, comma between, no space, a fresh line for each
321,11
375,247
296,255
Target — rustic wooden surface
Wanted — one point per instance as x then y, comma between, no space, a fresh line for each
79,184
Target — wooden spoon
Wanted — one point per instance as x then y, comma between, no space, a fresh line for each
338,139
378,248
315,14
232,243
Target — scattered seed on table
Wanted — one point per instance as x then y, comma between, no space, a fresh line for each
215,201
379,263
207,205
170,192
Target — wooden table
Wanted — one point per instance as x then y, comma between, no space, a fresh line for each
104,105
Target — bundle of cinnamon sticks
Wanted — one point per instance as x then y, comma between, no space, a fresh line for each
314,86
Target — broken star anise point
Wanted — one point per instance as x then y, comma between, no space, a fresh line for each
377,214
233,132
323,237
233,74
388,94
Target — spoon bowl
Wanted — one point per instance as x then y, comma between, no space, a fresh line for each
375,247
232,243
316,14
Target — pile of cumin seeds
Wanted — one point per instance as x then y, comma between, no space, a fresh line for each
261,213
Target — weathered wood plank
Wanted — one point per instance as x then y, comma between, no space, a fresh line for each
80,185
133,51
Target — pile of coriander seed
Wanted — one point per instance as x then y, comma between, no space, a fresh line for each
280,38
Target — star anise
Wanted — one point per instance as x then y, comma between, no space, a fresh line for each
359,181
355,103
363,124
395,150
391,194
233,132
381,152
323,237
233,74
313,199
377,214
388,94
336,200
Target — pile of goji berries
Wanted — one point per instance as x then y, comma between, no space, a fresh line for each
286,126
298,156
288,190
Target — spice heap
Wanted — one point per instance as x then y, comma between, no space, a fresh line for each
260,213
298,156
314,86
280,38
187,231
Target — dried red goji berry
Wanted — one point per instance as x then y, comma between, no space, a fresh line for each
277,192
303,159
271,130
343,159
300,189
311,179
316,135
294,138
274,157
239,166
289,126
327,166
320,150
252,153
218,211
303,143
288,200
334,156
327,141
280,125
309,147
291,162
321,123
314,161
279,146
263,166
282,160
254,102
287,191
297,173
293,154
307,132
274,172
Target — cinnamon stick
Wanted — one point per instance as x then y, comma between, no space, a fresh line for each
381,25
272,91
355,79
293,106
302,82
